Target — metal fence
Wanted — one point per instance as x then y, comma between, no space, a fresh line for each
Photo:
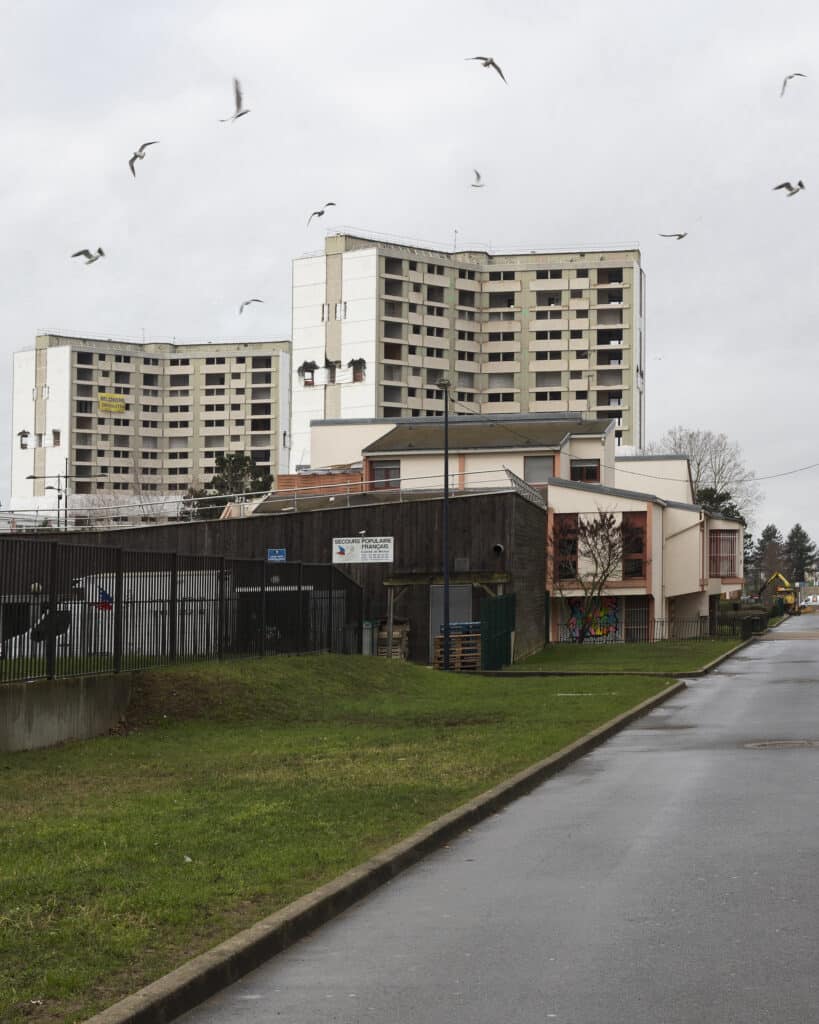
655,631
72,610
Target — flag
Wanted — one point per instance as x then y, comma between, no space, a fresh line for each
105,602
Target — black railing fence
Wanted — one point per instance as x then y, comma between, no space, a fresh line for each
72,610
654,630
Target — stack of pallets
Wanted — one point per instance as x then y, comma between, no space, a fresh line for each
464,652
400,641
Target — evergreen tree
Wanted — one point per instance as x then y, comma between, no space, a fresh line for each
749,563
769,553
719,503
237,473
800,554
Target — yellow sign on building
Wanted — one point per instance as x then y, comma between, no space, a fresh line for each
110,403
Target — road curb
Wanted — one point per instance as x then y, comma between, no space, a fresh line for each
210,972
717,661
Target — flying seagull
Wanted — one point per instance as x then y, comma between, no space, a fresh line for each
247,303
140,154
319,213
791,189
90,257
787,78
679,235
240,111
488,62
478,182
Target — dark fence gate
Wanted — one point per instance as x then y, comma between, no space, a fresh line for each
497,626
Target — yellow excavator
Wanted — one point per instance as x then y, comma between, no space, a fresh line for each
786,591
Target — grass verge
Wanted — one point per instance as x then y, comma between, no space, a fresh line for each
235,789
665,656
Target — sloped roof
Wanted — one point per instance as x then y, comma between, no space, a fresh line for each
428,436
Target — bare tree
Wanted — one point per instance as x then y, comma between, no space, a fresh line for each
587,552
717,465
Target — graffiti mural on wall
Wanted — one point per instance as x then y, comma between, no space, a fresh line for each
602,621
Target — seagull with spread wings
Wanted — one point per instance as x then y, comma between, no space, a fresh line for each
791,190
90,257
319,213
787,78
140,154
478,182
247,303
237,96
679,235
489,62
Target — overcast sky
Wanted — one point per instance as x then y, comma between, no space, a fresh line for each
620,120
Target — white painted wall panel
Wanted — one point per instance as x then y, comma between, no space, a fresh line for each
308,338
22,418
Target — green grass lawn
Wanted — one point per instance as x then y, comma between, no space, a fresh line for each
235,789
665,656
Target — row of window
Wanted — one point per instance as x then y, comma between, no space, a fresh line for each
256,362
394,266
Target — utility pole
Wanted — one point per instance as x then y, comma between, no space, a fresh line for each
444,385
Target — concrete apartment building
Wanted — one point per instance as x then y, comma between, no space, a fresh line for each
376,324
125,420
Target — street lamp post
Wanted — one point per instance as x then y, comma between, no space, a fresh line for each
61,489
444,385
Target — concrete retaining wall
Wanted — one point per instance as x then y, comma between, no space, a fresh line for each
48,711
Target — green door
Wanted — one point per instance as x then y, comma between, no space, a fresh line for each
497,625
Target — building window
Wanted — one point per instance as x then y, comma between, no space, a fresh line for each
634,545
586,470
538,468
386,475
722,553
565,545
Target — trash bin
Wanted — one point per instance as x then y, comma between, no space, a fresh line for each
367,637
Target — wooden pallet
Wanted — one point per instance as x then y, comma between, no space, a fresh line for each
464,652
400,643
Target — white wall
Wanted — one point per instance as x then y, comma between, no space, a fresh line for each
335,444
308,337
359,290
590,448
682,551
22,418
58,409
667,478
55,393
282,448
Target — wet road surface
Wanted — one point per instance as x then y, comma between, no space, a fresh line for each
670,877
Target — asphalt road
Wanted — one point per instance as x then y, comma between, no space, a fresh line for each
670,877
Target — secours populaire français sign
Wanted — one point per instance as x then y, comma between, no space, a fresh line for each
362,549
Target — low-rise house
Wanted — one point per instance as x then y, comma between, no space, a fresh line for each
676,561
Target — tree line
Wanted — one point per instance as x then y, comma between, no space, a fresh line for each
795,556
